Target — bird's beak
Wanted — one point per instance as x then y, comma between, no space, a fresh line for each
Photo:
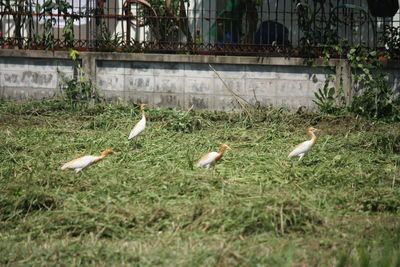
227,147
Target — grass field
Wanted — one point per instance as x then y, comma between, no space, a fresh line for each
148,204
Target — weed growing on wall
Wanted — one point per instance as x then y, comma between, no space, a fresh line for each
79,91
375,97
329,99
325,97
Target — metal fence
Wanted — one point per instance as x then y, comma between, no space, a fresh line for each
239,27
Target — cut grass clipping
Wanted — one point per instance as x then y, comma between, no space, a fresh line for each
147,204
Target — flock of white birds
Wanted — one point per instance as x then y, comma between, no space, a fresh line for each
206,161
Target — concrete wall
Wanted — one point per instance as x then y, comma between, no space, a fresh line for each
24,78
173,80
179,84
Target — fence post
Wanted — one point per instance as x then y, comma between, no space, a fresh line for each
343,80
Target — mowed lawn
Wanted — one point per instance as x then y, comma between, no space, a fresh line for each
148,204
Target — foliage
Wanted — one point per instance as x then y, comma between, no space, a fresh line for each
391,40
80,90
74,54
45,12
108,41
378,102
148,206
375,96
68,32
325,97
171,19
329,99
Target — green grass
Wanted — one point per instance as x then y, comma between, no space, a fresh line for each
147,204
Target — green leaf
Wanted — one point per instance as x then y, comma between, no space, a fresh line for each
331,91
73,54
319,98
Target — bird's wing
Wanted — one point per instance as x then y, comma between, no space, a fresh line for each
207,159
81,162
301,148
139,127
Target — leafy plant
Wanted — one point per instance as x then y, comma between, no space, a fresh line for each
107,40
325,97
330,99
68,33
79,91
74,54
171,18
391,40
378,100
45,12
375,97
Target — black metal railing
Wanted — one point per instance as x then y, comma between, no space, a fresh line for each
236,27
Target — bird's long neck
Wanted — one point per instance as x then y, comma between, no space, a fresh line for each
313,137
220,154
102,156
143,116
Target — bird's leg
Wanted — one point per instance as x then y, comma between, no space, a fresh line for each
301,156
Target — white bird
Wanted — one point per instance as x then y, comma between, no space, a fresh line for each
139,127
303,148
209,159
85,161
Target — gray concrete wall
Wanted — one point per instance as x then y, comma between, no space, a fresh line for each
25,78
170,80
178,84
